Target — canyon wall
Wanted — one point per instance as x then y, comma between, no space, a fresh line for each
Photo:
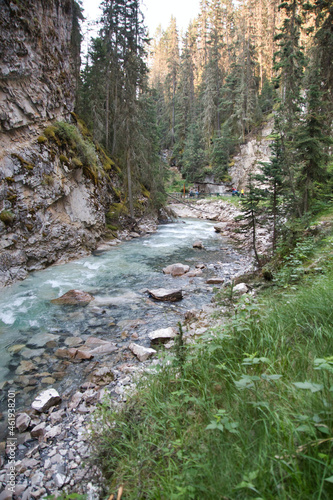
252,153
52,200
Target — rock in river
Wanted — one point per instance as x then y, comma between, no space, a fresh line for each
74,297
215,281
166,295
176,269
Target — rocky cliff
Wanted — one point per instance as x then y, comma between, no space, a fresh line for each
55,187
247,161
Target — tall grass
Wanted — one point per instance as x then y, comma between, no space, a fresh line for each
248,415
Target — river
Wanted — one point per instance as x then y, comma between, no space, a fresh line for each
118,279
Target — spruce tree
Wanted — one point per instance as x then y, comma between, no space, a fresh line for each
273,178
252,210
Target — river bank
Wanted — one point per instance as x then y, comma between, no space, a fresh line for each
225,214
52,446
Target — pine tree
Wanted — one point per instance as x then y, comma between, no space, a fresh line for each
252,209
221,150
322,53
289,63
312,142
194,157
273,178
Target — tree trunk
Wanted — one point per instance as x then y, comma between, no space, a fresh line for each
254,238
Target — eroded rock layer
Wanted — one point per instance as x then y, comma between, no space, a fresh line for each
54,186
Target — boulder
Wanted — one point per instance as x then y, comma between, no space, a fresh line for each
74,297
240,289
25,367
219,228
163,334
194,273
41,339
38,430
198,244
22,422
45,400
142,353
14,349
163,294
99,345
31,353
73,341
57,416
65,353
215,281
176,269
83,354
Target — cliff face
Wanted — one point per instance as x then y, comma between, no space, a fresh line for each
39,62
54,189
256,150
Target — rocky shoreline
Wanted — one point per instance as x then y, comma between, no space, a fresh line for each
53,445
224,213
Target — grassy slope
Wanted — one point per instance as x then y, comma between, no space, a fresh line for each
245,413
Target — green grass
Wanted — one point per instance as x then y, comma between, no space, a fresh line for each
244,413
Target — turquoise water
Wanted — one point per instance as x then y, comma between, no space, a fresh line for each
118,279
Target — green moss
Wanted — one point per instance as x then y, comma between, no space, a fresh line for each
42,139
81,125
23,162
116,210
226,178
9,179
107,162
70,137
117,192
145,192
91,173
49,132
48,180
64,159
111,227
77,163
7,217
107,165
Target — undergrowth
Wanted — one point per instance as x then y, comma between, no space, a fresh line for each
246,412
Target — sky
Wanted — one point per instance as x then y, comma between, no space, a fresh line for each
155,11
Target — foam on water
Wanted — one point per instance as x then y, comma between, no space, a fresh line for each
7,317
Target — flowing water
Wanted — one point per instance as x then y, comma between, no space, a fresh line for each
118,279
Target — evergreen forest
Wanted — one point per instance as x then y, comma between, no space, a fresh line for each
190,101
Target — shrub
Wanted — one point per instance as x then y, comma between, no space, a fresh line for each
63,159
77,163
7,217
42,139
49,132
